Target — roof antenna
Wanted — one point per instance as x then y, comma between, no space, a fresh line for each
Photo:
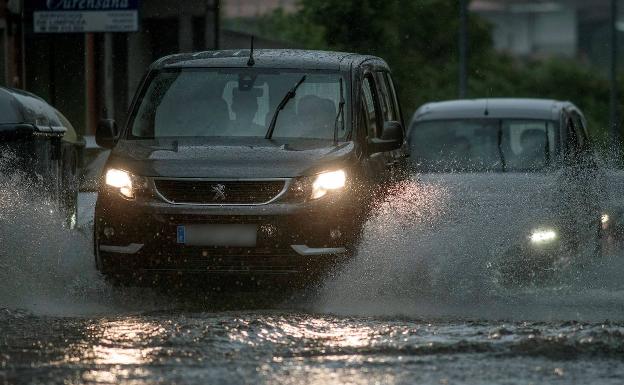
251,60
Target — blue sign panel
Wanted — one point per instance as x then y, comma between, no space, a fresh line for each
63,16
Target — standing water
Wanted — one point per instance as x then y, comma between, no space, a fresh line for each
421,302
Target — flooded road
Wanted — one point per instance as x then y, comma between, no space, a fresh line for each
282,347
418,304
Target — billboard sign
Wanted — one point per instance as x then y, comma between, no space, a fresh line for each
78,16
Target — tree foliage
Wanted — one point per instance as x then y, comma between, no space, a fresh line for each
419,39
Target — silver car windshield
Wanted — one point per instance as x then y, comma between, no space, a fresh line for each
240,102
483,145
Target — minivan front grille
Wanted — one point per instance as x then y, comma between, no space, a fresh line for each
219,192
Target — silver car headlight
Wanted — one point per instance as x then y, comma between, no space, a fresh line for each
543,236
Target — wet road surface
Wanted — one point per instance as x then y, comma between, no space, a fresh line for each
282,347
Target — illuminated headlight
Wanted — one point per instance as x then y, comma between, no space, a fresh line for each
328,181
121,181
543,236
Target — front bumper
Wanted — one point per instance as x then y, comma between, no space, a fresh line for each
293,238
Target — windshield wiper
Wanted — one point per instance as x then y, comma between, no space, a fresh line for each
500,145
340,112
289,95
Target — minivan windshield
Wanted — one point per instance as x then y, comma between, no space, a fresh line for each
466,145
240,102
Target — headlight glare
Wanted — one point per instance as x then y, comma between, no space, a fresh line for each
327,181
120,180
543,236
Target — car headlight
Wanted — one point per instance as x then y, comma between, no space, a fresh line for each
121,181
543,236
328,181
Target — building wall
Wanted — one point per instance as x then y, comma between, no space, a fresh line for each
534,32
255,8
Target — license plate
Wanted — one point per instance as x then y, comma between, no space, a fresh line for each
235,235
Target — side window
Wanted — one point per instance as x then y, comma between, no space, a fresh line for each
395,99
572,144
363,121
579,130
371,111
385,97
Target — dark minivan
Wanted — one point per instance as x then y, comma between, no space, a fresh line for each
246,163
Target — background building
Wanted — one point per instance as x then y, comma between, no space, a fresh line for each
94,75
577,29
255,8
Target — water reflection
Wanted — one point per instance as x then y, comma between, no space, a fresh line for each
277,347
118,350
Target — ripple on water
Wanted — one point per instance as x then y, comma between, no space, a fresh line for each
283,347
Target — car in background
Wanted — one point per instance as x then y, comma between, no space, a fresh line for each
246,164
531,154
40,143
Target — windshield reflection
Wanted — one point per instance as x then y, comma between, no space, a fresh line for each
483,145
240,102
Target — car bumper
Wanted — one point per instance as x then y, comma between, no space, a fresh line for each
307,238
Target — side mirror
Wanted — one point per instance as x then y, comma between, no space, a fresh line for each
391,138
106,133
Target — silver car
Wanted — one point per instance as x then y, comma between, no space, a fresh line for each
526,165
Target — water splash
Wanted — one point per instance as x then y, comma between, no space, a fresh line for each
432,249
47,268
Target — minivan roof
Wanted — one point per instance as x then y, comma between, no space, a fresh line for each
266,58
511,108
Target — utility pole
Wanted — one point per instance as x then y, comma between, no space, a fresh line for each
90,84
217,22
614,126
213,19
109,76
463,48
22,48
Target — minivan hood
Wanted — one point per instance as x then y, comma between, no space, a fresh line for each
229,157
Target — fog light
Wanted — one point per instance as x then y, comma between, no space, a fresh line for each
543,236
269,230
109,232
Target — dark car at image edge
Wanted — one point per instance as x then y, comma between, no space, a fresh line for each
234,163
42,148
